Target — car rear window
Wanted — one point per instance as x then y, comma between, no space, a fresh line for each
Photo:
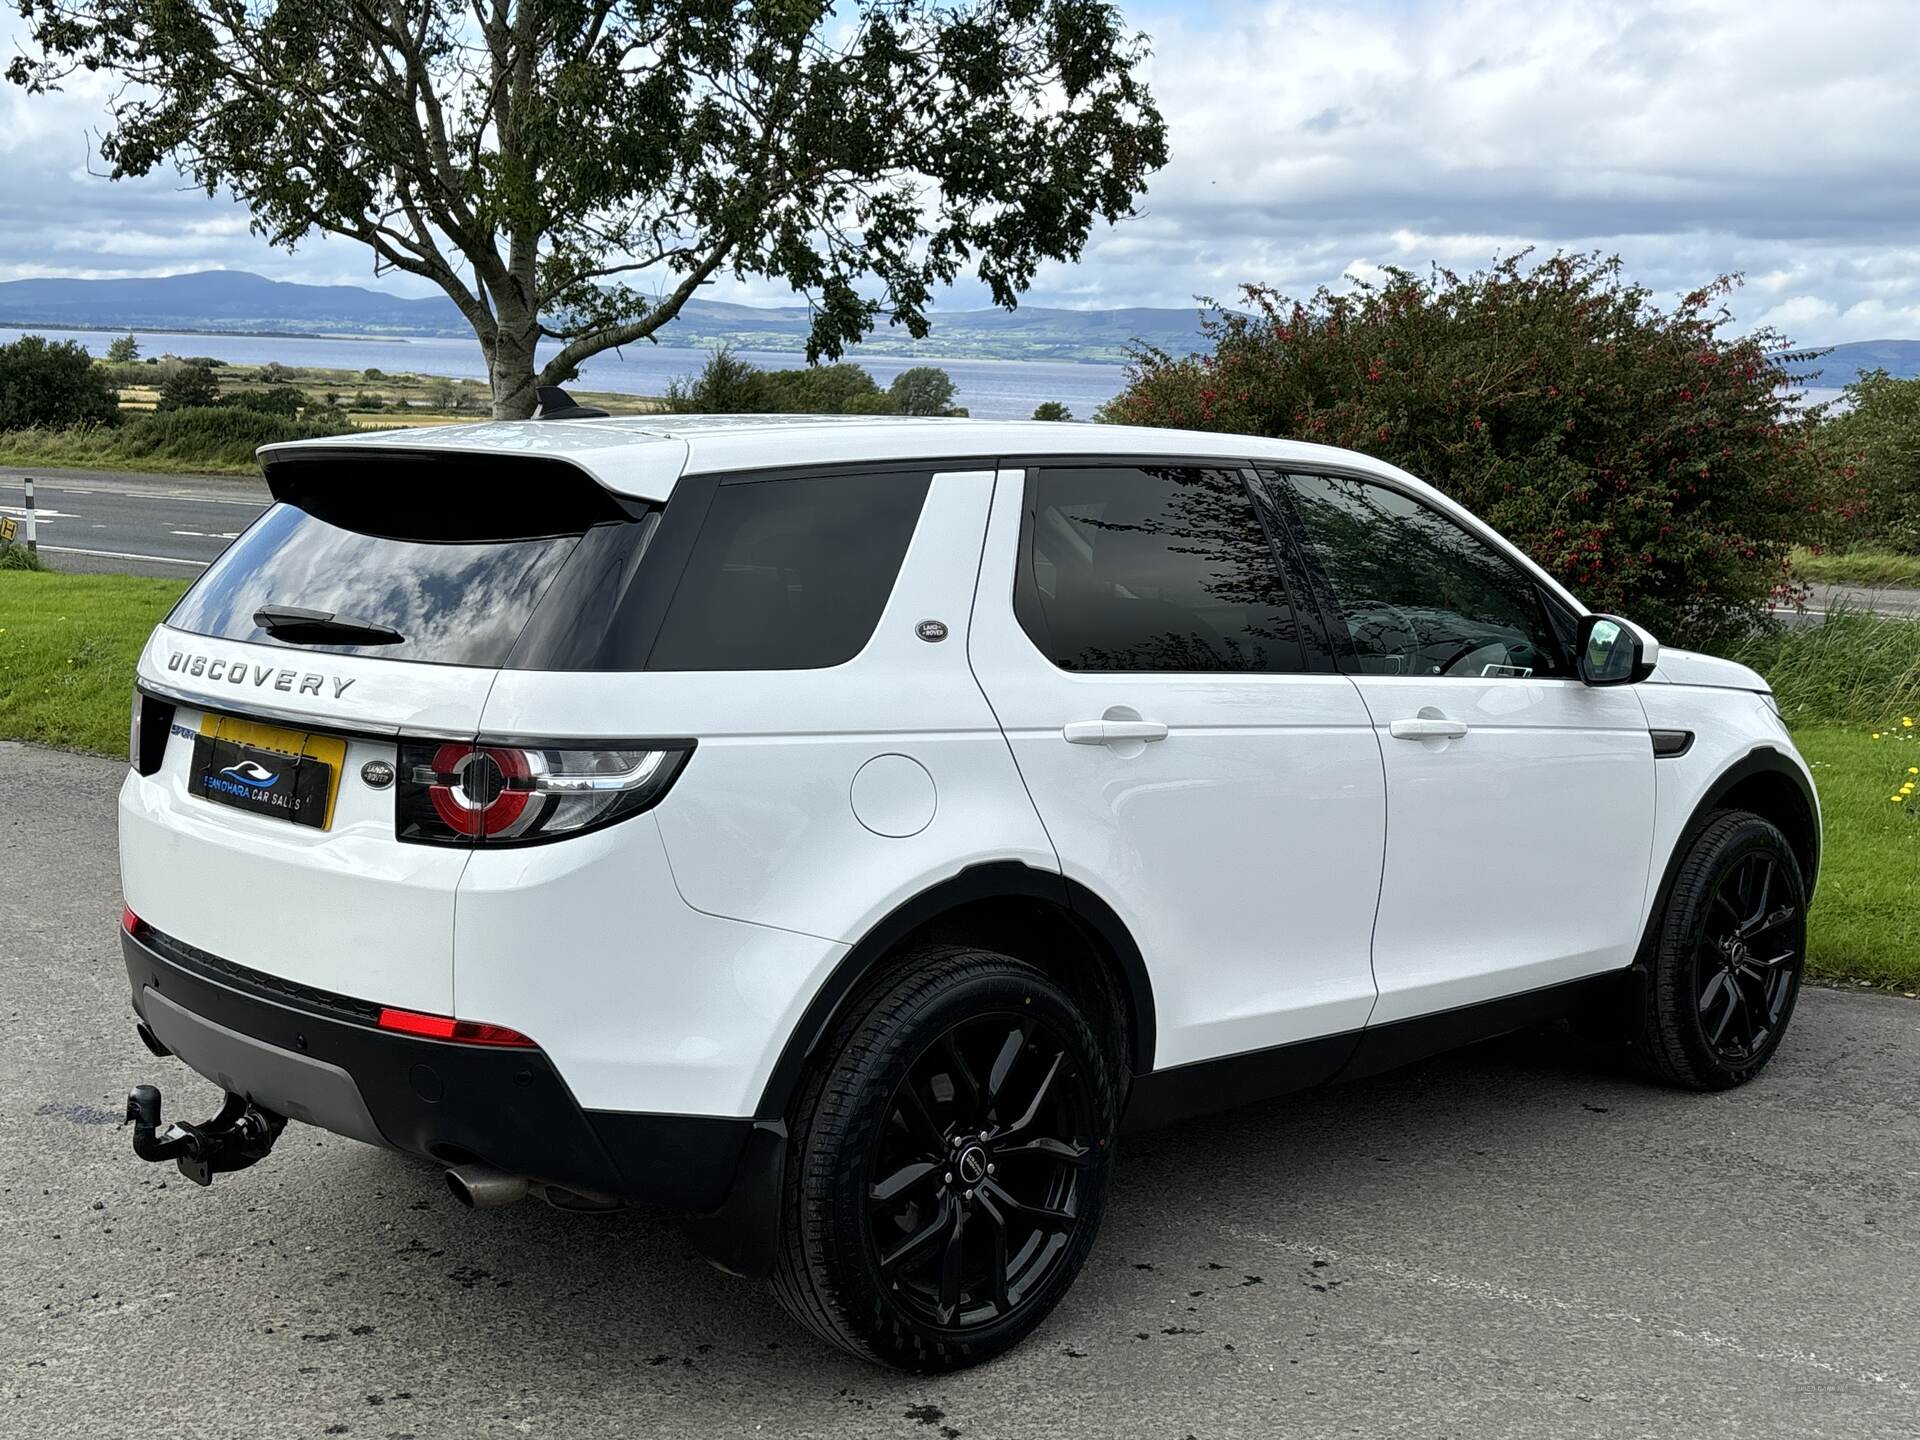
790,574
452,553
452,603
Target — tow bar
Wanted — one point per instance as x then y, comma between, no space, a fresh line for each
239,1135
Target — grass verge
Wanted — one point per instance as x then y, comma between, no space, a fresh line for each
1865,566
1866,914
68,644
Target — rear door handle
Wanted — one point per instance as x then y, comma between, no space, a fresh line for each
1111,732
1427,728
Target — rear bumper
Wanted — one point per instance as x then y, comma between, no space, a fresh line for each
319,1058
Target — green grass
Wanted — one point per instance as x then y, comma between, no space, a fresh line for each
204,441
68,644
1856,669
1864,566
1866,913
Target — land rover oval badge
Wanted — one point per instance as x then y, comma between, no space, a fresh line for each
377,773
931,631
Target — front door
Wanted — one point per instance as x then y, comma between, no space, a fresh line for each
1136,641
1520,801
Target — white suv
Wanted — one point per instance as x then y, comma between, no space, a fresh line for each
837,831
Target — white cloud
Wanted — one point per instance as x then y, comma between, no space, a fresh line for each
1317,140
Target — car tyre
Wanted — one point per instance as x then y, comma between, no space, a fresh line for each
950,1162
1724,964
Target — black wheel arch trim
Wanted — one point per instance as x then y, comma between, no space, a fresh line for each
1762,760
990,880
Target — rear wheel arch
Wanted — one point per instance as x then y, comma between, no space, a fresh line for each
1051,922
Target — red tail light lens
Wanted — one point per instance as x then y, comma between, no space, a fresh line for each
445,1027
129,921
465,794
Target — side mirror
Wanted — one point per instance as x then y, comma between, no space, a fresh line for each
1612,651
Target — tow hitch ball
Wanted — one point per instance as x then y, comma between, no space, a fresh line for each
232,1140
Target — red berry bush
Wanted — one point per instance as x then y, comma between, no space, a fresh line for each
1657,467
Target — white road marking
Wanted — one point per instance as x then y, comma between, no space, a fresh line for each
127,555
1493,1291
39,513
208,534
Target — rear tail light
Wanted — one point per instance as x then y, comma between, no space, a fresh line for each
129,921
445,1027
147,726
462,794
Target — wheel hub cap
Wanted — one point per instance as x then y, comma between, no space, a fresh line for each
972,1166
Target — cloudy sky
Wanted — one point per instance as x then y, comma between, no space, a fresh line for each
1312,141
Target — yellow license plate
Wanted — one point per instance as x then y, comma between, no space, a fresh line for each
267,769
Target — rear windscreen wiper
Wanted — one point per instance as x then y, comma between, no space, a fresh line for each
321,627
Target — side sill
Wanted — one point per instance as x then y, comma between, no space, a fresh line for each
1208,1087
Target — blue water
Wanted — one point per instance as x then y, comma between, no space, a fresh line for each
990,389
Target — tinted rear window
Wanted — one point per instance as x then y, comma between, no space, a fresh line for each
790,574
454,603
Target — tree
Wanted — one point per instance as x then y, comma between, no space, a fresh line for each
542,161
188,387
53,384
1872,450
923,390
124,350
1051,410
1653,464
281,400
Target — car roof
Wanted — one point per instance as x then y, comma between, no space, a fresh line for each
645,455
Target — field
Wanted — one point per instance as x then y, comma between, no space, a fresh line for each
356,399
68,644
1863,566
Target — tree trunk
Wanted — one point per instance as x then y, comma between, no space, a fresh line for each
510,367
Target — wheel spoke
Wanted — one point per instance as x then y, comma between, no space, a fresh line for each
1757,904
1044,1217
901,1181
1010,1049
998,1275
919,1245
1039,1097
1771,921
1712,990
1049,1148
1726,1016
962,1072
950,1267
917,1117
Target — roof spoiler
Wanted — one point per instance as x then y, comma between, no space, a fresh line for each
553,403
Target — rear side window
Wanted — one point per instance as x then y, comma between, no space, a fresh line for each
451,603
790,574
1150,568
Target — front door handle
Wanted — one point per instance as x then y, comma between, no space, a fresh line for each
1111,732
1427,727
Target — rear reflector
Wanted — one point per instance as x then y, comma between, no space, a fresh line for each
445,1027
129,921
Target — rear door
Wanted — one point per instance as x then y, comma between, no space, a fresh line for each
1515,793
1149,668
260,825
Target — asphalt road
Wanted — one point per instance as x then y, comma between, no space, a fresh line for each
133,524
1516,1241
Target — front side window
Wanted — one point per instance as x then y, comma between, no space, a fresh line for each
1417,593
1138,568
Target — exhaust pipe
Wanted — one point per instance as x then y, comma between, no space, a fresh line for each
481,1187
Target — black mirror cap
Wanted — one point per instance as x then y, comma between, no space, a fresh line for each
1609,651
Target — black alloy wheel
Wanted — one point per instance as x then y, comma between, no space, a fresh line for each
1717,984
976,1178
949,1161
1747,959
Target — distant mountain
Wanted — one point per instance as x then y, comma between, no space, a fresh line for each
1843,363
233,301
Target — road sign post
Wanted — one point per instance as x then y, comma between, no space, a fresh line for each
33,544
